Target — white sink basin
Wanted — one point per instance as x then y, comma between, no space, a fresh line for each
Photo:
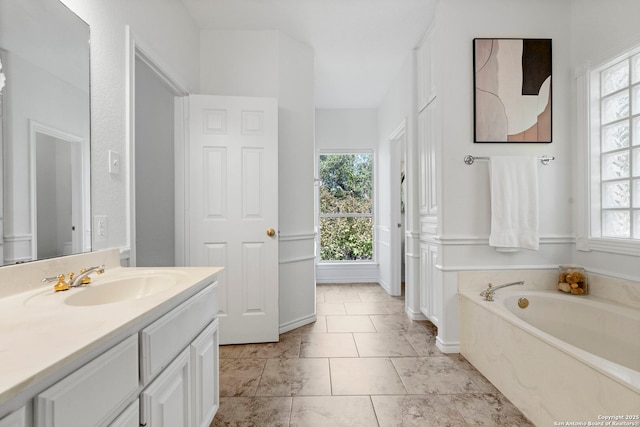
112,288
125,289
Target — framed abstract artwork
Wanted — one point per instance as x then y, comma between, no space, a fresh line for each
512,90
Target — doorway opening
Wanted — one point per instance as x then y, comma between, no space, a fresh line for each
60,187
398,206
155,154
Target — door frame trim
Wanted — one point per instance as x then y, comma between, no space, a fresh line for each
397,153
137,49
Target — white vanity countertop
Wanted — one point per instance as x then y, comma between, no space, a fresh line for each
40,334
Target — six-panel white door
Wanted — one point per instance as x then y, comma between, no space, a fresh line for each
233,209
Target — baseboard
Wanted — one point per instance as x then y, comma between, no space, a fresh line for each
452,347
294,324
415,315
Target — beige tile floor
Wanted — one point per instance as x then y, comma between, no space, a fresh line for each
362,363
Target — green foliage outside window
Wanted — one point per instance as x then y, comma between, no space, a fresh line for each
346,207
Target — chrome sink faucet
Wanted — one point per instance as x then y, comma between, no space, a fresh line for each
83,278
488,293
74,281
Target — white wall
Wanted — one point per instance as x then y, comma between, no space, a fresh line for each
346,129
240,63
465,198
399,106
271,64
171,38
600,31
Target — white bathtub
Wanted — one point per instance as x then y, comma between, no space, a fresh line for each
563,358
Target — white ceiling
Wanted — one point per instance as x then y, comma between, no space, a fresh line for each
360,45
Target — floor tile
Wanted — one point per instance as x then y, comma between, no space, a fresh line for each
383,345
317,327
328,345
364,376
358,308
489,410
362,363
330,308
375,297
240,377
423,343
395,307
395,323
231,351
293,377
288,346
341,296
256,411
423,375
333,411
416,411
349,324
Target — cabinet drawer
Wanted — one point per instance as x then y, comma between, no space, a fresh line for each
94,393
15,419
161,341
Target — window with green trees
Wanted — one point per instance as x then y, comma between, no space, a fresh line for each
346,207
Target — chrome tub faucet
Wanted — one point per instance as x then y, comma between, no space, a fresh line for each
488,293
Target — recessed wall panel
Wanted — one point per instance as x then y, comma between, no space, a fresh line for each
215,182
253,282
252,191
252,123
217,256
214,122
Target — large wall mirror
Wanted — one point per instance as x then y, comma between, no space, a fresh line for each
45,131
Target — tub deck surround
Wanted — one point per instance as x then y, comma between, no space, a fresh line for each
547,378
43,339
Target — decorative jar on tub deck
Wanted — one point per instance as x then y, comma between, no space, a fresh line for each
572,279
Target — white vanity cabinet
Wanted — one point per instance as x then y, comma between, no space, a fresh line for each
182,390
159,374
15,419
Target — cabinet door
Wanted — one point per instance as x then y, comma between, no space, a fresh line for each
15,419
204,376
165,403
130,417
95,393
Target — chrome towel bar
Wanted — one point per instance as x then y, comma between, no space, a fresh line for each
469,159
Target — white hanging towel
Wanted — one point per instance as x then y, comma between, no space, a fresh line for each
514,203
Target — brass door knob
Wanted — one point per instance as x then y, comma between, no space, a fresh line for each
271,232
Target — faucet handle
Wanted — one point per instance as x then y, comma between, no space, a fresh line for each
85,280
61,285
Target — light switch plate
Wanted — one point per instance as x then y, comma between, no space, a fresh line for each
114,163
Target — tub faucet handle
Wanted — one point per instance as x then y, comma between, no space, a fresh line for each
487,293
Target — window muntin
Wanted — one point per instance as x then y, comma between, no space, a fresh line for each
346,206
616,149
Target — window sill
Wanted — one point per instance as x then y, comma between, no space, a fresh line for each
615,246
348,262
